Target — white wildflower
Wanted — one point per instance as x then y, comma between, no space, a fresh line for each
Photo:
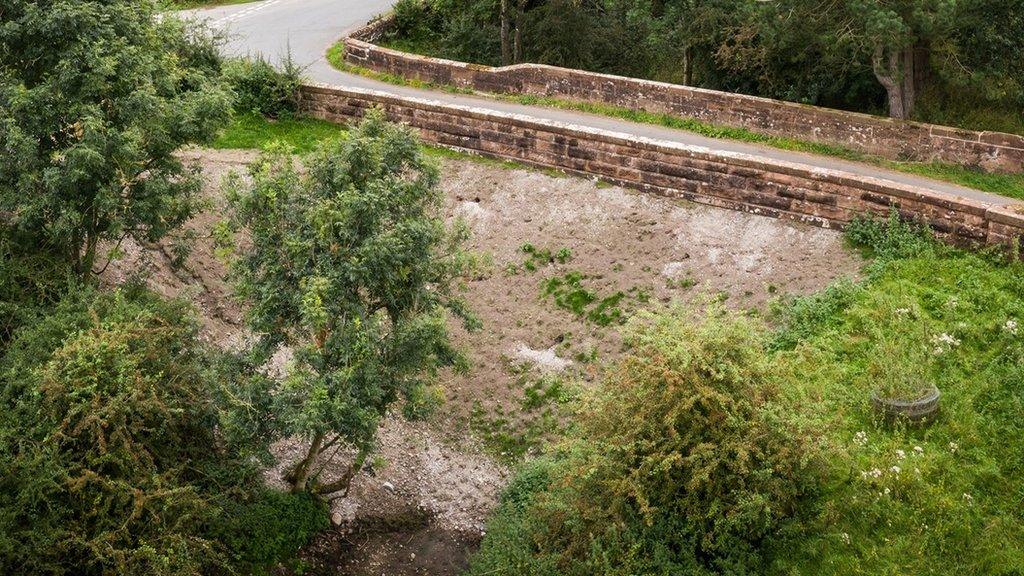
953,447
873,473
918,450
886,491
946,339
943,342
900,454
846,538
1011,326
902,311
968,498
895,469
861,438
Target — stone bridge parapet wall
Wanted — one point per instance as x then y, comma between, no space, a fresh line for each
994,151
826,198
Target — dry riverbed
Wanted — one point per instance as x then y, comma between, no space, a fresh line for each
561,260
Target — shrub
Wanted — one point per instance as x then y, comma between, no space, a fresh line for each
803,316
679,464
30,281
261,88
270,528
891,238
413,19
108,452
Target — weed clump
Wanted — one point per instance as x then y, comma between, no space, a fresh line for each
569,294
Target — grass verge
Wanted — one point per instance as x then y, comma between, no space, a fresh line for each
1009,185
252,131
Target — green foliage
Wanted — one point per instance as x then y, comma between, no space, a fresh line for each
423,402
901,369
95,97
538,257
109,462
569,293
894,238
262,89
270,528
967,70
350,266
802,317
678,463
30,282
512,434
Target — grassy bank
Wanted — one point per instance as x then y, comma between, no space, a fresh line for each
252,131
1009,185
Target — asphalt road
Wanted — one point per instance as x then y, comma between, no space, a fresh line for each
307,28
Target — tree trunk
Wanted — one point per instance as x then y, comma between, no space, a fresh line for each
342,484
506,38
909,82
300,475
688,66
895,74
518,48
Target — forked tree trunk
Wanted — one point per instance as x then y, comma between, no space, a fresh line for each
299,476
343,483
902,73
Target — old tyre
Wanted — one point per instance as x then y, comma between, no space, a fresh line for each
918,411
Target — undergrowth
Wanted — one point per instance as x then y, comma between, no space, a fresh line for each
510,434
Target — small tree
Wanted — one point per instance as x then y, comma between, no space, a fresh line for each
350,269
95,97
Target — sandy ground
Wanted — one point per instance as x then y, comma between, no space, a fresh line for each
422,507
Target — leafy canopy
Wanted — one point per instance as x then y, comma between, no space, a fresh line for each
348,267
95,96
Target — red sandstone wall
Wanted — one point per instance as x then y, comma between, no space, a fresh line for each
874,134
730,180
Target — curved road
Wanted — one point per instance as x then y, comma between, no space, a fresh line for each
307,28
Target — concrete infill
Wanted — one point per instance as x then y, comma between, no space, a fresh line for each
822,197
873,134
